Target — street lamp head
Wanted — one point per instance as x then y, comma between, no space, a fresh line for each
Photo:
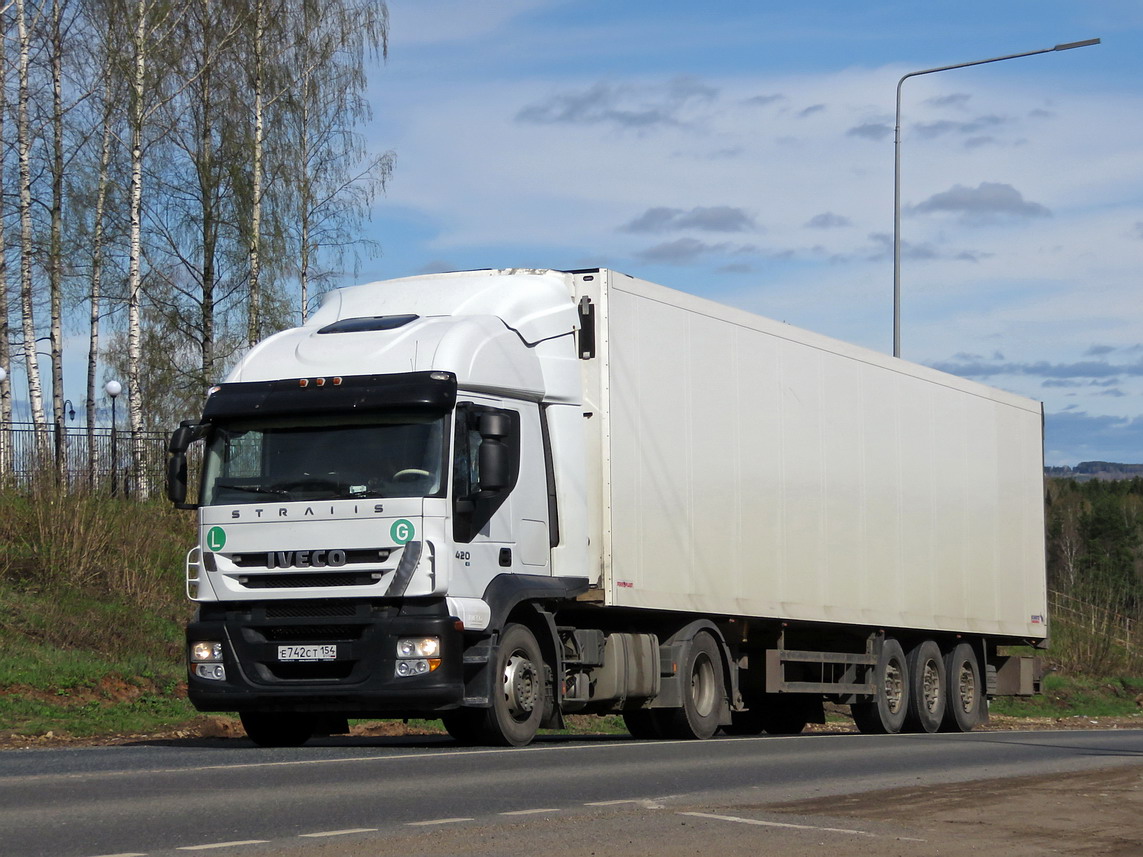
1067,46
113,388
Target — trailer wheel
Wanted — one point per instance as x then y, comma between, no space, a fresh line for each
272,729
927,688
885,713
965,706
518,690
703,693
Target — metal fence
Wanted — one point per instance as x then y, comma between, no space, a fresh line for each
1120,629
99,459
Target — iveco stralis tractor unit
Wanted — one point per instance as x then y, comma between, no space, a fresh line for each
499,497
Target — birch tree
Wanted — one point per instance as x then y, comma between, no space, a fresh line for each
24,159
5,285
333,177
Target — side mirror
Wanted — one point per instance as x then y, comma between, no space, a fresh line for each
495,453
181,439
495,465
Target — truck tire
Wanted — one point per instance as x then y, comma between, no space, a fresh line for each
518,690
965,708
927,688
703,690
273,729
885,713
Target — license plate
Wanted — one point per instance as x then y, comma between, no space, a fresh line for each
307,653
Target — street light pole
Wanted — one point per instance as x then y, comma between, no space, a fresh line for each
114,388
897,168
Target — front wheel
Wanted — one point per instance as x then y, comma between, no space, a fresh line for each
518,690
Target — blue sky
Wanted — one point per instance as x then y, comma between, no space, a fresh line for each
743,151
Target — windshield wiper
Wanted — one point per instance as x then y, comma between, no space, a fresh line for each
253,489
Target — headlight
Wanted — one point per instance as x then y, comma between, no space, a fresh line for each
417,655
206,652
419,647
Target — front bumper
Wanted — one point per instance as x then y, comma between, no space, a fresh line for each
361,682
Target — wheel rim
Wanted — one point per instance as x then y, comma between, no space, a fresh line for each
894,687
966,688
521,685
702,686
931,686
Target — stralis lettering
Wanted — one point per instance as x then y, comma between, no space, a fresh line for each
305,559
307,512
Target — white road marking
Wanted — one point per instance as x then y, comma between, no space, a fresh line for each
126,854
611,802
338,832
437,821
792,826
528,811
213,845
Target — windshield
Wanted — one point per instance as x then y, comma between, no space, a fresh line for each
324,458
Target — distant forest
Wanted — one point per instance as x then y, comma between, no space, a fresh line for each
1086,470
1095,541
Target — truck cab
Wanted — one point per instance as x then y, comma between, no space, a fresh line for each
377,495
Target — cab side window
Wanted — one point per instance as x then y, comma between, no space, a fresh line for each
486,466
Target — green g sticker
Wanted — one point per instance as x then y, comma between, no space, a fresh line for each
402,531
215,538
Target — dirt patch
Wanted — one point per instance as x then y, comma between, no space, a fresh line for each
1083,813
109,690
203,726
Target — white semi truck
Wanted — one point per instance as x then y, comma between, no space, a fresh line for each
499,497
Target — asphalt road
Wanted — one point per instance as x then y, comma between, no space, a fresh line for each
228,797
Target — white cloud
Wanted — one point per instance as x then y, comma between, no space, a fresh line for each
982,204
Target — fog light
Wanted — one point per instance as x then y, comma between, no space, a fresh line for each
206,652
212,672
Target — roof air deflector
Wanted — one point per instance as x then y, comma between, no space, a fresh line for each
373,323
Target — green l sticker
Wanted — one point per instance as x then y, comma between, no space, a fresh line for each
215,538
402,531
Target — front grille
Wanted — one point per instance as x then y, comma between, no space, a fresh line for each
302,609
293,581
265,559
310,672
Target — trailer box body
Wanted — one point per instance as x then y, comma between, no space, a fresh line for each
747,467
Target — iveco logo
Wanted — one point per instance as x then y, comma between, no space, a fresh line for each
305,559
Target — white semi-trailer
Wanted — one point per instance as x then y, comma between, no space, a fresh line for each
498,497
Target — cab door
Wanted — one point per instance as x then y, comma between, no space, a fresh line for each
500,497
